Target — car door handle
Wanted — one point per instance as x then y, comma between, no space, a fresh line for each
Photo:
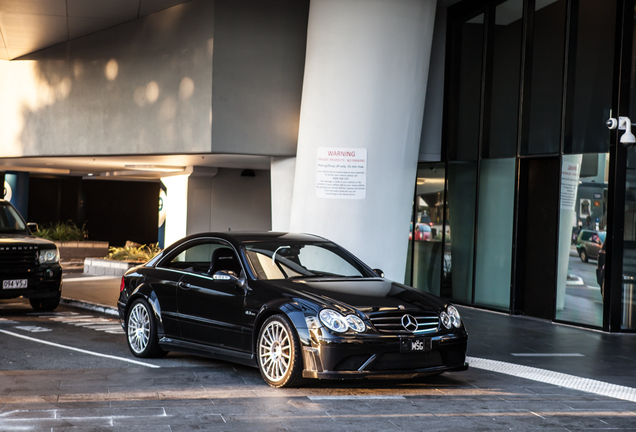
184,285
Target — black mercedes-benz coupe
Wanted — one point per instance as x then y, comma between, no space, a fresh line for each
295,306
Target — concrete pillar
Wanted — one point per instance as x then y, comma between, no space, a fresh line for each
282,175
176,205
364,88
16,191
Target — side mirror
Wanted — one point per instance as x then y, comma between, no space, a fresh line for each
33,226
379,272
228,277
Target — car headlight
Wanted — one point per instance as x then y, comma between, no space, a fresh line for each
49,256
450,318
445,319
338,323
356,324
454,316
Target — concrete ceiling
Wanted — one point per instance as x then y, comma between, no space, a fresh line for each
27,26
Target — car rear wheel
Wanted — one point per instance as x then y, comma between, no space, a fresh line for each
279,353
141,331
583,255
46,304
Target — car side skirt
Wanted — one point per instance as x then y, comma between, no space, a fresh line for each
171,344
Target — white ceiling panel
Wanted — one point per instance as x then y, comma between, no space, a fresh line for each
78,27
31,25
4,54
34,7
151,6
25,34
104,9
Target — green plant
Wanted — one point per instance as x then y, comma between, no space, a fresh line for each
62,231
133,252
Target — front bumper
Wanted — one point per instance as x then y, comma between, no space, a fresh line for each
380,357
41,283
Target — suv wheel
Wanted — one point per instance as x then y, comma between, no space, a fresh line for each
583,255
46,304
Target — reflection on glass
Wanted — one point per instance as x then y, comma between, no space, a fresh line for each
425,240
469,89
583,223
546,79
593,76
494,233
629,239
506,66
457,279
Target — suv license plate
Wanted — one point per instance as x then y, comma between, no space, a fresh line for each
15,284
415,345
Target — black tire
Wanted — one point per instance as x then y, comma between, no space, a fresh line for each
278,353
141,331
583,255
46,304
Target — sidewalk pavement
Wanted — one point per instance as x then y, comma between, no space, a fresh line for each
91,292
540,350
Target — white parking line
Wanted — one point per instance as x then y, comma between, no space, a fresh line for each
547,355
354,397
79,350
555,378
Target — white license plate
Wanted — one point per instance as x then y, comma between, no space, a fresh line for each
15,284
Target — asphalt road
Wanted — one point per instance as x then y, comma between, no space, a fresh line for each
71,370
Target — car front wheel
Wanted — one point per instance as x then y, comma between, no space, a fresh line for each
141,331
583,255
279,353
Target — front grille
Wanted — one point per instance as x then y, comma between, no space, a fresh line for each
396,361
18,258
391,322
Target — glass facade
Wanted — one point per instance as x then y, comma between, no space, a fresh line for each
529,165
493,264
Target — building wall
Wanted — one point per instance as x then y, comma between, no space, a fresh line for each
229,201
149,86
140,87
259,58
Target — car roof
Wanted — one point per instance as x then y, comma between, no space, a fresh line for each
257,236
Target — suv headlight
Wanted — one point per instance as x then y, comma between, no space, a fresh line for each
338,323
49,256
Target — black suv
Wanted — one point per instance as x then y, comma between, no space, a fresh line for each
29,266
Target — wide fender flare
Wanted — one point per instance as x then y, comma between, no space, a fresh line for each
146,292
293,309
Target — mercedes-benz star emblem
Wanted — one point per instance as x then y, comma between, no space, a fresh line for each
409,322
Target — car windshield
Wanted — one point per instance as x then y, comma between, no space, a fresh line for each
287,260
601,235
10,220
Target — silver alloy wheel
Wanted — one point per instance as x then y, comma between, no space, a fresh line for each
274,351
138,328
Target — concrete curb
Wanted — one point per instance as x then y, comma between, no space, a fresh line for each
96,307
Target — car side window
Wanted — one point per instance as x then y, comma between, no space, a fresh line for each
194,258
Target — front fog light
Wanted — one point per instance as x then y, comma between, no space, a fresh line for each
49,256
454,316
333,320
446,320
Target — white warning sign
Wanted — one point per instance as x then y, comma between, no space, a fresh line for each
341,173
